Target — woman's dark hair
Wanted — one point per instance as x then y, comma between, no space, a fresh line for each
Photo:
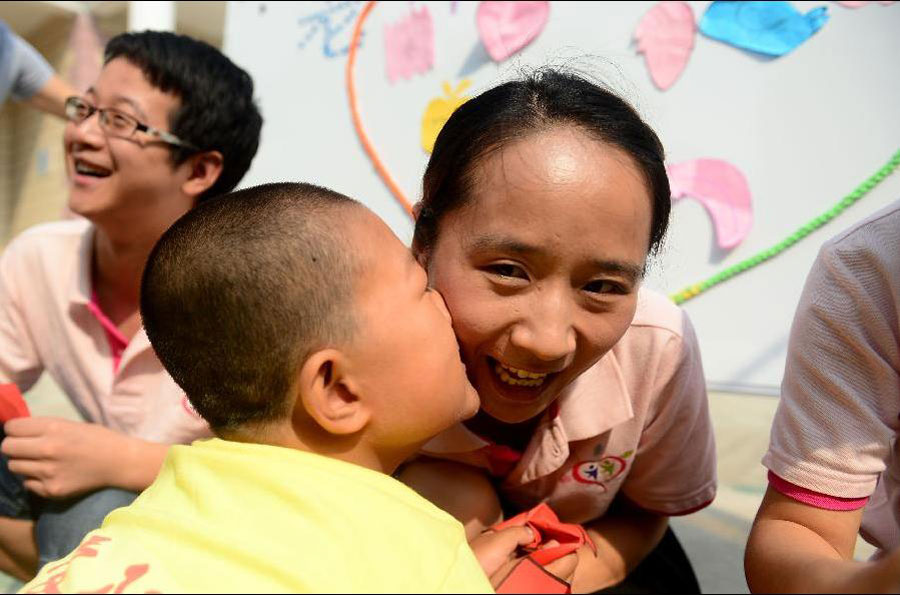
217,111
516,109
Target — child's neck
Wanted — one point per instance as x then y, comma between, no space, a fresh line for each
351,449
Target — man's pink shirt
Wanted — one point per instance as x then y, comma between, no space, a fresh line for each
48,322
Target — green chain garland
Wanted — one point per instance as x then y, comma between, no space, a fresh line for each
692,291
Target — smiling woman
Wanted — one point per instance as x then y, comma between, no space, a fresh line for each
542,200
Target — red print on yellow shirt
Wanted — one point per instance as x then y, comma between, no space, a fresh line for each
88,549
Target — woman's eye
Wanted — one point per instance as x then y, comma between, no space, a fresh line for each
507,270
604,287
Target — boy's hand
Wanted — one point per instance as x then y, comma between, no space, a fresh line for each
497,552
60,458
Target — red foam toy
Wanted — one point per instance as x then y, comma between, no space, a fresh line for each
12,405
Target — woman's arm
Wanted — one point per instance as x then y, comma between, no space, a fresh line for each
624,537
797,548
463,491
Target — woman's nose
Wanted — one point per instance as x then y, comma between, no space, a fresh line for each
547,330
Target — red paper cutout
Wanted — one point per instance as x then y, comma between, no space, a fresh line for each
12,405
546,526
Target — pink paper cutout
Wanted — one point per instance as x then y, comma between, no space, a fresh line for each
409,45
507,27
722,189
665,36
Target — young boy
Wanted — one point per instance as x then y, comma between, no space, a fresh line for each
169,122
305,333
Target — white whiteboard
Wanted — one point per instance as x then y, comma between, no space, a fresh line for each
805,129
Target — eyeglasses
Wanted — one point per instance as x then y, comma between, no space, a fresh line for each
117,123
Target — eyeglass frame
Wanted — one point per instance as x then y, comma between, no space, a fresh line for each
161,135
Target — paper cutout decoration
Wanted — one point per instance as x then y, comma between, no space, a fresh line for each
333,21
87,53
12,405
438,112
849,4
409,45
665,36
770,28
507,27
722,189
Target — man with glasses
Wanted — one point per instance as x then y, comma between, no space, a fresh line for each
169,122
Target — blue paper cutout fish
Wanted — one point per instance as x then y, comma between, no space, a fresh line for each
771,28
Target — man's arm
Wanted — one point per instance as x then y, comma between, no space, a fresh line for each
795,547
61,458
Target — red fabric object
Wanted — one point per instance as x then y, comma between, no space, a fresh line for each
12,405
546,526
502,459
530,577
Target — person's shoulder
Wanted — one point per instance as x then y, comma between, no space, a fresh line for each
48,236
877,235
46,253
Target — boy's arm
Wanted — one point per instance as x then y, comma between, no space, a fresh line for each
61,458
795,547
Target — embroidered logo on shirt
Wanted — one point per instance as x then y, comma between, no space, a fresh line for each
601,471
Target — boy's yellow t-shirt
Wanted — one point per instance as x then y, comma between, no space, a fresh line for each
231,517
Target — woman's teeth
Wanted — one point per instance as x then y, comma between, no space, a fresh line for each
517,377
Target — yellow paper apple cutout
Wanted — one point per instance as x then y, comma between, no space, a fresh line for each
438,112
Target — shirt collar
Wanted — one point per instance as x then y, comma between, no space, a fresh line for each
80,286
595,402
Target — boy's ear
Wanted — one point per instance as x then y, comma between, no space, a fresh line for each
417,210
205,169
328,395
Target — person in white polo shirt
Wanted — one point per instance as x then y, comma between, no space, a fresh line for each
834,470
169,122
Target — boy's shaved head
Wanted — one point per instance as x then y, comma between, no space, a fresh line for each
239,291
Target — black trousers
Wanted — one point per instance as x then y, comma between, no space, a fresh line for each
666,569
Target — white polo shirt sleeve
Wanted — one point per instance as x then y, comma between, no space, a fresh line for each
837,420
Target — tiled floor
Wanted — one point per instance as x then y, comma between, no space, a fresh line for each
714,538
